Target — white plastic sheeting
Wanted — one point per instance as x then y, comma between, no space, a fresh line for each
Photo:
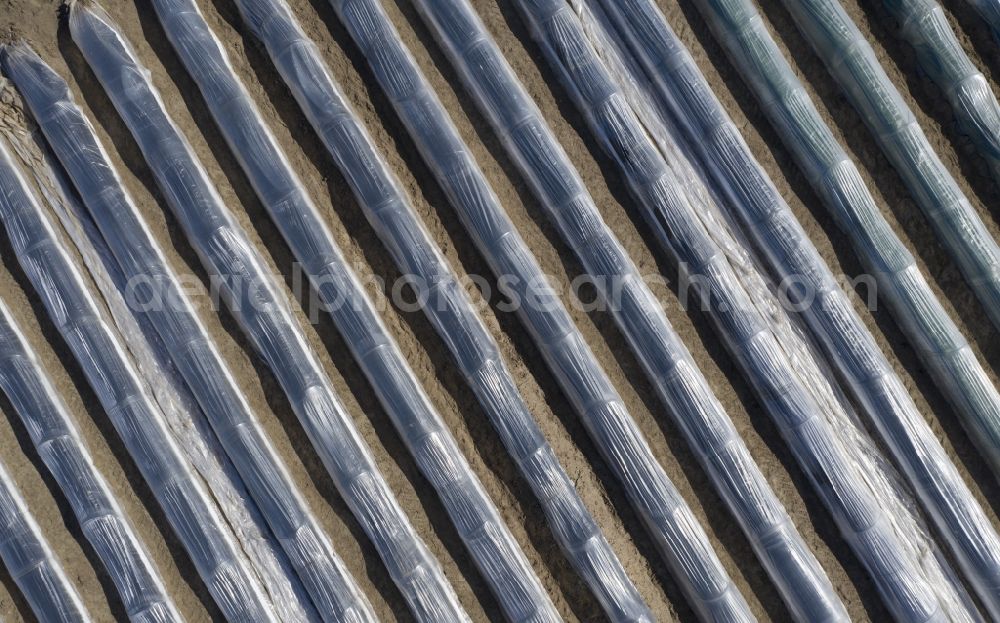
257,547
445,302
159,297
768,344
937,340
852,62
946,498
57,441
265,315
130,403
925,26
31,562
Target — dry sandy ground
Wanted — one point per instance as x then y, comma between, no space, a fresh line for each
38,20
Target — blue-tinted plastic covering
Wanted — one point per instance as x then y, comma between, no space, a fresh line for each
308,235
31,562
764,214
481,211
265,315
57,441
925,26
934,335
130,405
782,366
172,314
852,62
946,497
297,59
557,184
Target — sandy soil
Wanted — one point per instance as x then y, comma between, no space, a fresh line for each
38,20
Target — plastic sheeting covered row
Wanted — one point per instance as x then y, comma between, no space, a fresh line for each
937,340
946,497
683,388
129,402
778,360
310,238
171,313
925,26
265,315
58,443
256,546
852,62
818,297
31,562
379,193
557,336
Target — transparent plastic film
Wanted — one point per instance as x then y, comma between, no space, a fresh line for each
445,301
58,443
852,62
772,349
925,26
55,437
157,290
266,317
192,511
444,150
936,338
32,564
946,498
816,294
641,318
258,549
790,578
309,237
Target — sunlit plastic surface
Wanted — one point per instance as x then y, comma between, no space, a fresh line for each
446,303
310,238
555,181
934,335
852,62
160,297
480,210
137,417
817,294
925,26
266,317
57,441
31,563
766,342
